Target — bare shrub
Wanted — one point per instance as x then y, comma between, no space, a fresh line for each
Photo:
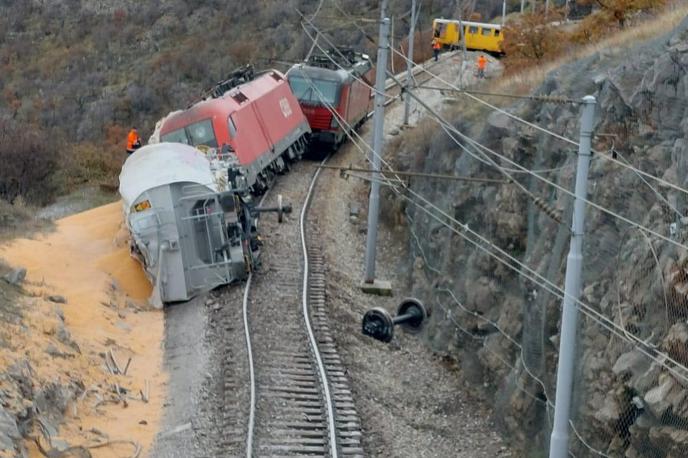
531,39
29,162
90,163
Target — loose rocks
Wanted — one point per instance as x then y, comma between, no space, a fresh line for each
16,276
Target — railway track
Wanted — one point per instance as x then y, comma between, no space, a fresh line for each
300,402
280,385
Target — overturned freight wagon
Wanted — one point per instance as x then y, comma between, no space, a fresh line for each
189,216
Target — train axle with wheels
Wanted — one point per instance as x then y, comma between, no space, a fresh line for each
379,324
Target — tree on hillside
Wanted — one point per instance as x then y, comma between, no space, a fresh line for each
620,10
531,39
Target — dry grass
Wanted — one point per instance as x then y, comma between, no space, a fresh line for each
19,219
525,81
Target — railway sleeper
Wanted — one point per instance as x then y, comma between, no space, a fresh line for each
312,413
299,433
300,384
353,451
295,390
292,354
298,379
294,448
351,443
352,419
291,371
294,396
345,407
289,365
299,441
298,425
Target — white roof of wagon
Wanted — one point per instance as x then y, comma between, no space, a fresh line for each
160,164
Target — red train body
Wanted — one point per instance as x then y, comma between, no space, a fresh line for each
320,85
258,118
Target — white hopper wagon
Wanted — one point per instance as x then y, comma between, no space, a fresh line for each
190,218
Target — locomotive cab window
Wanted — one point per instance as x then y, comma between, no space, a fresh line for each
318,92
201,133
473,29
487,32
497,31
176,136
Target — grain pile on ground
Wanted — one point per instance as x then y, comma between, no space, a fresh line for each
83,302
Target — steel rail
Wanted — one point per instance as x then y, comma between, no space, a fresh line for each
311,336
329,403
249,350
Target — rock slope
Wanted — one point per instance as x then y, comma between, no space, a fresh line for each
504,328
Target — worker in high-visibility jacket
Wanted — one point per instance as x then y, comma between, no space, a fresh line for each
133,141
482,65
436,46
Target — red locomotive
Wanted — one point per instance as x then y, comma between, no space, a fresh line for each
322,85
255,116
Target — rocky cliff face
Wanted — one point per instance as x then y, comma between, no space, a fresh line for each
503,327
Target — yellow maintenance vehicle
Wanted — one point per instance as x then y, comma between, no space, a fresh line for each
479,36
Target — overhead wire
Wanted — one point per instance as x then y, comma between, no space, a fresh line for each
446,125
510,261
471,94
336,49
448,312
539,202
440,120
544,130
534,276
315,14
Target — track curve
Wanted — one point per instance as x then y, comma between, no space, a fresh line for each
301,404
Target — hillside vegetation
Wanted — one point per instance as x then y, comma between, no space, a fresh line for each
77,74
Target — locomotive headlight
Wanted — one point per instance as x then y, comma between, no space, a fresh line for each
334,124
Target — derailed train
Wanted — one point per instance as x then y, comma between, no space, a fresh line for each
188,201
188,196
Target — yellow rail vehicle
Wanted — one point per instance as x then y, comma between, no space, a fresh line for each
479,36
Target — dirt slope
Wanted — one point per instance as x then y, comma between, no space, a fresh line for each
85,263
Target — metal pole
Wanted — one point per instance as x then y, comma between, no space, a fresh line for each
559,441
462,35
409,62
523,5
378,126
503,12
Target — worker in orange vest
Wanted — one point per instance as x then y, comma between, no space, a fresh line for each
436,46
133,141
482,64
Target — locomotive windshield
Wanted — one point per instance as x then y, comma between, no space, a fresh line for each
199,133
315,91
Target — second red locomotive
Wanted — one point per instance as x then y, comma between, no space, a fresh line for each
255,117
338,81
